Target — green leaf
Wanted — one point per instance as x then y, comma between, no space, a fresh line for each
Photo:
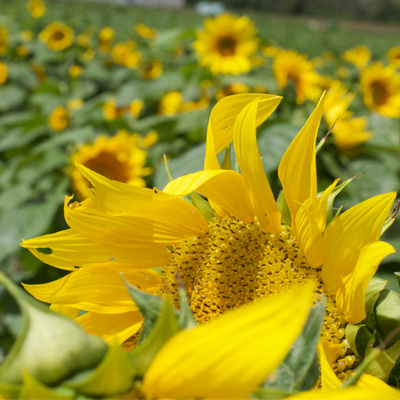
50,346
269,393
9,391
387,314
284,209
114,375
359,337
203,206
165,327
297,371
383,364
374,289
11,96
186,319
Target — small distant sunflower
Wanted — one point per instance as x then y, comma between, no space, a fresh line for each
75,70
152,69
58,36
126,54
136,107
358,56
3,73
226,44
290,66
393,56
26,35
145,32
233,88
171,103
36,8
3,39
118,158
380,86
59,118
83,39
105,38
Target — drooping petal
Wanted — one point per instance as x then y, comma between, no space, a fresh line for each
349,232
70,312
67,250
310,225
224,188
372,382
297,169
230,356
248,156
144,229
97,289
350,297
222,119
349,393
111,326
329,380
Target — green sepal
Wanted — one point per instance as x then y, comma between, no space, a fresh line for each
391,218
114,375
382,365
203,206
387,314
9,391
269,393
374,289
33,389
284,209
298,370
331,199
394,377
226,162
359,337
165,327
397,275
186,319
51,346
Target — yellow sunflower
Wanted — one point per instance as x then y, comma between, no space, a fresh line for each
57,36
3,39
145,32
118,158
59,118
152,69
36,8
380,86
293,67
239,248
226,44
126,54
358,56
393,56
171,103
105,38
3,73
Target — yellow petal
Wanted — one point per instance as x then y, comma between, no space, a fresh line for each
248,156
224,188
350,297
111,326
349,232
329,380
68,250
372,382
230,356
297,169
97,289
310,225
66,310
144,229
222,119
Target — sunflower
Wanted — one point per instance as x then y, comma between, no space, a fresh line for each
126,54
59,118
226,44
380,86
105,38
118,157
3,39
152,69
393,56
171,103
57,36
240,247
36,8
145,32
293,67
3,73
358,56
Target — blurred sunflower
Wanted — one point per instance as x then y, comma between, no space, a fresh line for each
75,70
36,8
26,35
233,88
145,32
152,69
3,73
59,118
358,56
380,86
226,44
118,158
57,36
3,39
136,107
292,67
171,103
239,248
105,38
393,56
126,54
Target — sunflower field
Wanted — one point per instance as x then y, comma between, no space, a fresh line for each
197,207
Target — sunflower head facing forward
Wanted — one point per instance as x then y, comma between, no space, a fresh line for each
226,44
57,36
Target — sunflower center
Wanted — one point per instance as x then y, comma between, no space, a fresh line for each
235,263
107,165
226,45
379,92
58,35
